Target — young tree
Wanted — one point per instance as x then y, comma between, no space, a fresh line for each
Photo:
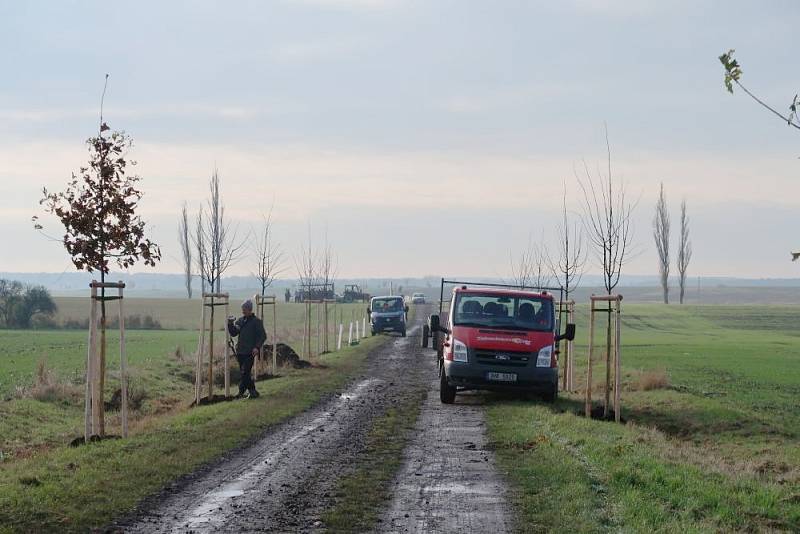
521,267
217,243
184,239
529,270
306,263
684,251
567,267
661,224
269,255
608,221
98,211
327,272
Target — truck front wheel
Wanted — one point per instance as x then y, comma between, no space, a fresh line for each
447,393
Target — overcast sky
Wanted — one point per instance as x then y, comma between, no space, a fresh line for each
425,137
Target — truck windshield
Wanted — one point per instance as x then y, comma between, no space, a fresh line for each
503,311
393,304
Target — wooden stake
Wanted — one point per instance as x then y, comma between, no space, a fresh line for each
123,366
617,369
319,340
211,353
274,337
570,349
90,357
607,392
227,350
99,407
588,407
339,342
259,301
325,311
198,381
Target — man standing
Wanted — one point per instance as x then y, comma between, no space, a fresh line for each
252,335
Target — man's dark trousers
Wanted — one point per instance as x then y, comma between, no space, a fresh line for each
245,370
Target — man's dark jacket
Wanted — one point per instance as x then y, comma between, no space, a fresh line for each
251,333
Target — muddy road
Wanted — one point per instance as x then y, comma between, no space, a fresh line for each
284,481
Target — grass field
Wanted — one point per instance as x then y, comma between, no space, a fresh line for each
716,448
184,314
160,367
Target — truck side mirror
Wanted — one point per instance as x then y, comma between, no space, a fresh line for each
435,323
569,334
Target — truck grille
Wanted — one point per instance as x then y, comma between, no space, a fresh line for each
504,358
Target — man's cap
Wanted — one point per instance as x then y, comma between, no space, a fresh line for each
247,305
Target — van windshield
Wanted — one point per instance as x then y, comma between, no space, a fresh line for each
393,304
503,311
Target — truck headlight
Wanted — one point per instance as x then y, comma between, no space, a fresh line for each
459,351
545,356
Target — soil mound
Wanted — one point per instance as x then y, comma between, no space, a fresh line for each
204,401
94,438
597,413
286,356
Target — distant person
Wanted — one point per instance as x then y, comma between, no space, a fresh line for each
288,295
251,334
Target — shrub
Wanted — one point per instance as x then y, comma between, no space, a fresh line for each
650,380
48,388
132,322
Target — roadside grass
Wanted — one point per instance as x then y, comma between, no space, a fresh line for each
716,447
359,496
77,489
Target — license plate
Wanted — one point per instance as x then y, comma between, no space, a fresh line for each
502,377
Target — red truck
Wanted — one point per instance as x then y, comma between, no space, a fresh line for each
498,337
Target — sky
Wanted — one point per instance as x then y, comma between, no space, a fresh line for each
422,137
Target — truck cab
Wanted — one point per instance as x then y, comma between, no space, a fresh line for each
499,339
387,314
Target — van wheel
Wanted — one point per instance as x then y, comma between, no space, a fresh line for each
447,393
551,395
425,333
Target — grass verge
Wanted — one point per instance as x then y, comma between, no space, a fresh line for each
572,475
359,496
77,489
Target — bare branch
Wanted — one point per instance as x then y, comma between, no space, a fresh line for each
607,218
269,255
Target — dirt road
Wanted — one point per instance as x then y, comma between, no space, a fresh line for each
284,481
449,482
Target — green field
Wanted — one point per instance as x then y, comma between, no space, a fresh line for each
717,449
160,367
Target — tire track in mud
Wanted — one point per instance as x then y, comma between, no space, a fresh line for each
449,481
284,481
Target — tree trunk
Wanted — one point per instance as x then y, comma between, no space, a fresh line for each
211,352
